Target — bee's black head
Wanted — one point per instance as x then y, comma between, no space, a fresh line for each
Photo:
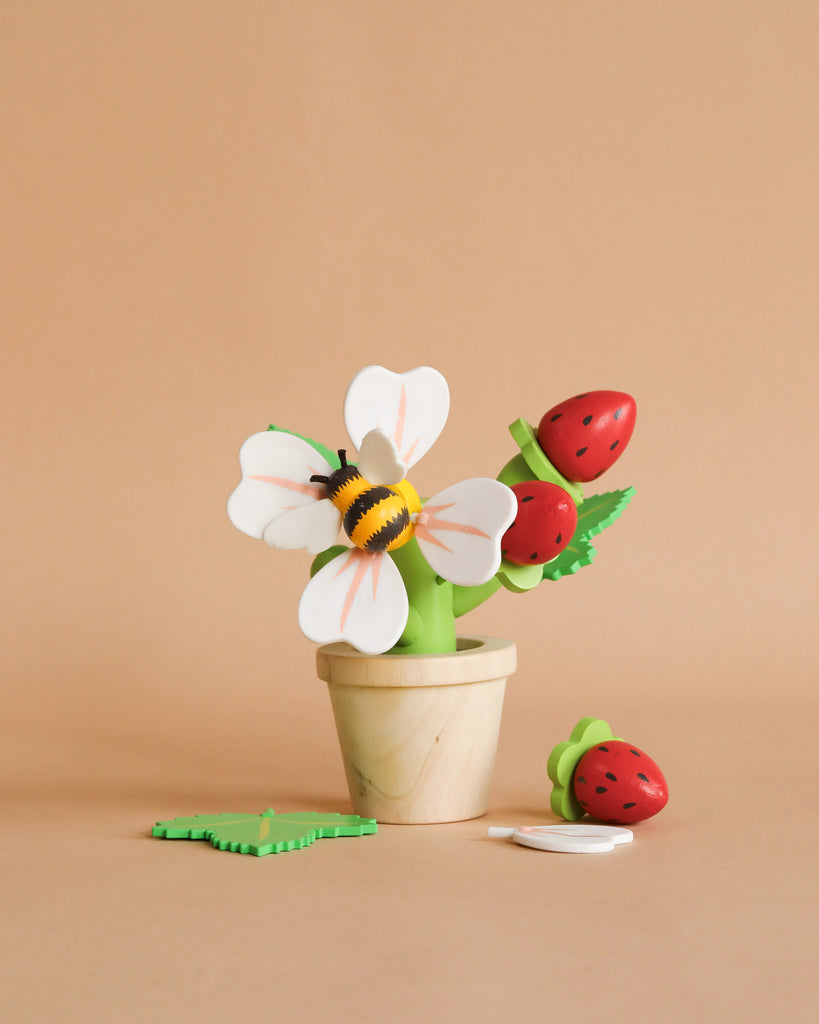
336,480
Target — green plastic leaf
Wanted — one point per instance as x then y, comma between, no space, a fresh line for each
331,457
593,516
260,834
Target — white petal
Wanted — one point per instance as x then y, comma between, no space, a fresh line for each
314,527
276,470
357,597
378,459
411,408
459,530
573,838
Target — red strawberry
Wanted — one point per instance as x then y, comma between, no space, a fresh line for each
544,525
619,784
585,435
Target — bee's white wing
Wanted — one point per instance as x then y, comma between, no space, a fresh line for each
357,597
411,408
379,461
276,470
459,531
314,527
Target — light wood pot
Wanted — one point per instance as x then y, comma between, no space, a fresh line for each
418,732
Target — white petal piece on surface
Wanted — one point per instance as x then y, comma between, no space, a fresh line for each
357,597
566,838
276,470
313,527
460,529
411,408
378,459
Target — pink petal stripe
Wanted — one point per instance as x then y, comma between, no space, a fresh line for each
407,456
313,490
427,523
444,524
422,533
402,415
363,561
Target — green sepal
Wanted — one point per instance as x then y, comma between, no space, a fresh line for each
533,456
331,457
519,578
260,834
596,513
564,759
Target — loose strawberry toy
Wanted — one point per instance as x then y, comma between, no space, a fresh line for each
545,523
599,774
585,435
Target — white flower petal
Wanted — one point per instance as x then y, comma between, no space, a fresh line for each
460,529
379,461
276,470
313,527
411,408
357,597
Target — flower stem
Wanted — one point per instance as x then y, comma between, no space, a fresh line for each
430,627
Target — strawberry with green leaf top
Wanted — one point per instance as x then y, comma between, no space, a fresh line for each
598,774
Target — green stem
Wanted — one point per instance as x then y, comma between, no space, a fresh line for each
430,626
464,599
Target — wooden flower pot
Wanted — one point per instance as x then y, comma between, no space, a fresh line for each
418,733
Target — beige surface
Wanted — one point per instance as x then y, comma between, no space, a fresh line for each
214,214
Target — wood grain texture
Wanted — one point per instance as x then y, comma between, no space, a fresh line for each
419,734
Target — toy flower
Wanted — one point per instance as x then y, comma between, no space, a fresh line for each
293,496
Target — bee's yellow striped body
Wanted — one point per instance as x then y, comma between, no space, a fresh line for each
375,517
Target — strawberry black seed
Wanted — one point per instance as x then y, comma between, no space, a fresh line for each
618,414
626,806
557,417
599,472
612,776
533,556
641,776
580,778
529,497
635,752
582,803
558,538
604,749
613,446
582,396
587,420
581,451
601,789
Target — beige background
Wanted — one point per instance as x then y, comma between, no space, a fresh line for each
213,214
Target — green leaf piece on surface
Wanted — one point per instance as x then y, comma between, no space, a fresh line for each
332,457
260,834
593,516
565,757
